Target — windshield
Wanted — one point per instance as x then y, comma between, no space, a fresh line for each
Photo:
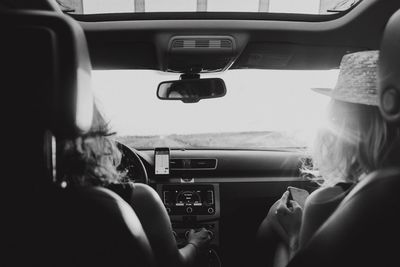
262,109
148,6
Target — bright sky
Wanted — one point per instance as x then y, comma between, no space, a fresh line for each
294,6
256,100
285,6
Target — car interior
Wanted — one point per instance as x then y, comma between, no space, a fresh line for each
214,156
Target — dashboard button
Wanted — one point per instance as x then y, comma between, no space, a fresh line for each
210,197
189,210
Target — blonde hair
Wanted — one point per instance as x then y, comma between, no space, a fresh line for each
354,142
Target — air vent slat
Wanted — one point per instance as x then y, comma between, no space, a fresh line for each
202,43
198,164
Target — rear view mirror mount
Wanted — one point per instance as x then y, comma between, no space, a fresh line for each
191,90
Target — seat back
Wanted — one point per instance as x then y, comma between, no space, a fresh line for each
89,226
362,229
45,77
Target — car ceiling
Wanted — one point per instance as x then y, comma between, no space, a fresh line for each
262,41
275,41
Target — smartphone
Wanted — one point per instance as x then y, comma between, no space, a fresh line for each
161,161
297,194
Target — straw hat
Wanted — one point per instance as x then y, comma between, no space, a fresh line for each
357,81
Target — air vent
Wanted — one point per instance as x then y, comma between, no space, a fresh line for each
200,53
176,163
202,43
193,164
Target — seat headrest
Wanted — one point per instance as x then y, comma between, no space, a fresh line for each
389,70
47,72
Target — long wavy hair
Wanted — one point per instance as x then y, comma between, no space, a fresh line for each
355,141
90,159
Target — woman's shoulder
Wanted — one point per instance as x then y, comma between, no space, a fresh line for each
320,204
124,190
326,194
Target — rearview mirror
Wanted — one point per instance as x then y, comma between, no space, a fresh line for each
191,90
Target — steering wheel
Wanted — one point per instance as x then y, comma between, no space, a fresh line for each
132,165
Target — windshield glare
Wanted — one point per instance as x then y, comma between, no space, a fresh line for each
262,109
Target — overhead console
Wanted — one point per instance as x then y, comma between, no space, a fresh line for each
199,53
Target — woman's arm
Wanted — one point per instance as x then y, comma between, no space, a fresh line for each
269,246
277,237
196,242
301,227
156,223
289,215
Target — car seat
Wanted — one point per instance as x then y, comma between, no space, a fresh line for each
46,95
364,230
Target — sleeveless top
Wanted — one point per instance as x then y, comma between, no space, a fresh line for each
319,206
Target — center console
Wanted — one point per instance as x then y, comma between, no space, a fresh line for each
192,206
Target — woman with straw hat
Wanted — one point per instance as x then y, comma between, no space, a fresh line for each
351,145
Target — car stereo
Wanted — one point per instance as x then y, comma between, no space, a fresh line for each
189,199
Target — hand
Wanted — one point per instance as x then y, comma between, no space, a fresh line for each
199,238
272,220
289,217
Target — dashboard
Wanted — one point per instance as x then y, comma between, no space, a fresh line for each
189,199
195,205
224,191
